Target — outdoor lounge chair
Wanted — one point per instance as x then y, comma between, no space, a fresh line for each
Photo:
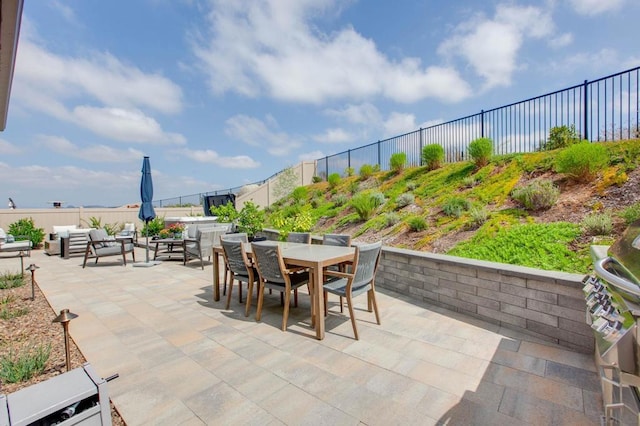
18,248
9,244
202,245
360,280
101,245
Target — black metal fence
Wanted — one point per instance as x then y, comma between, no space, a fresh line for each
605,109
601,110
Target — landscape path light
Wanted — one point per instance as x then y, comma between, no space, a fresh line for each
64,318
32,268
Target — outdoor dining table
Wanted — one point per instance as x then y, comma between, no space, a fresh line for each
316,257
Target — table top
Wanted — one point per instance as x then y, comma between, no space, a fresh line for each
302,254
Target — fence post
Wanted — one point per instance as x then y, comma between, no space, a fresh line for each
348,158
482,123
586,113
421,146
326,168
379,163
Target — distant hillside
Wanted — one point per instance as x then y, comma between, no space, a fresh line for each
453,201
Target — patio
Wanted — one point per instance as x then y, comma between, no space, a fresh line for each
183,359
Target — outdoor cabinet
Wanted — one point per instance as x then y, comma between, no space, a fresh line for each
77,397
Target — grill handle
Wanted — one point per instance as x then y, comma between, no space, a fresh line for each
616,280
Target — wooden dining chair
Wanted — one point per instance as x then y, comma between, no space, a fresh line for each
274,275
299,237
361,279
240,268
241,236
341,240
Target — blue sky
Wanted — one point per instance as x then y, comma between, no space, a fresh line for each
222,93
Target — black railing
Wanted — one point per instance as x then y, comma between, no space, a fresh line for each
605,109
601,110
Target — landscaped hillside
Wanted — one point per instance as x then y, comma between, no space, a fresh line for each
466,210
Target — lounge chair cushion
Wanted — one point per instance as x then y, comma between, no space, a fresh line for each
102,236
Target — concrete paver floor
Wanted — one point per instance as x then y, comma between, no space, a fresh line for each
183,359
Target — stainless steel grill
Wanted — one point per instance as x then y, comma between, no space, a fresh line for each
613,311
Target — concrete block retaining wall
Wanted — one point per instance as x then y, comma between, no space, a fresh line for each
546,304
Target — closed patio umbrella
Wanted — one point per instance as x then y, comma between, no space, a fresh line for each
146,213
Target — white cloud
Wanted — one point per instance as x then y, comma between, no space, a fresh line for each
399,123
256,132
604,59
595,7
364,114
313,155
101,76
7,148
212,157
491,46
334,135
561,41
123,125
273,47
93,153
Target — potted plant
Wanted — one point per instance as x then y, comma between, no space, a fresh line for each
250,220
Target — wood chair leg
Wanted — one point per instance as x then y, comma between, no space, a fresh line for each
260,299
248,307
352,315
285,313
295,297
341,305
231,291
240,291
374,302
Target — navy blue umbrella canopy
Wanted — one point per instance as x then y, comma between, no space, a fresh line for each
146,212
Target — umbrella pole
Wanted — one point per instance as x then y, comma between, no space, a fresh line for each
147,244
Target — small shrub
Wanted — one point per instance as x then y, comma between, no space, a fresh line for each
376,168
378,198
316,179
250,219
582,162
349,171
334,180
25,228
560,137
417,223
300,193
353,187
19,367
366,171
478,216
364,205
405,199
315,203
480,151
469,181
411,185
538,195
455,206
7,313
154,226
11,280
597,224
392,218
630,214
433,156
398,161
339,200
226,213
